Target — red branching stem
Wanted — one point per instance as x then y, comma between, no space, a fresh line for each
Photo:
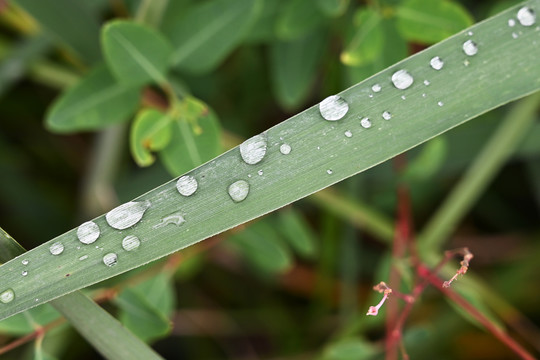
467,257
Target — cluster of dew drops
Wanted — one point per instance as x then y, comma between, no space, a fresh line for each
252,151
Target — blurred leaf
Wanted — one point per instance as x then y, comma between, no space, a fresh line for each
502,5
9,248
134,53
261,245
431,21
151,12
294,66
264,28
428,162
151,131
333,8
367,40
298,232
95,102
298,18
25,323
207,33
350,349
195,137
146,308
70,22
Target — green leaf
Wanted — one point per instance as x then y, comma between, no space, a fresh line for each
71,23
333,8
428,162
366,43
294,66
431,21
135,54
350,349
206,34
151,131
195,137
93,103
25,323
264,28
298,18
9,248
146,308
298,232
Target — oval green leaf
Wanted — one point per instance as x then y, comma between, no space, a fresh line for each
333,8
298,18
151,131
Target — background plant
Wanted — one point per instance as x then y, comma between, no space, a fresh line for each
231,57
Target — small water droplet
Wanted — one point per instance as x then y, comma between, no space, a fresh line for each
24,273
526,16
253,149
470,33
424,95
348,133
131,243
88,232
511,22
110,259
333,108
426,82
376,88
57,248
285,149
470,48
370,96
402,79
436,63
7,296
329,172
260,172
403,97
239,190
440,103
386,115
318,148
187,185
25,262
175,219
365,122
127,215
515,35
466,63
84,257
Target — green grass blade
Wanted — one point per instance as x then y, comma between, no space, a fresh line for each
321,154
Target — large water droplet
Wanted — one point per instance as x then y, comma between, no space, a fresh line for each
25,262
333,108
57,248
436,63
187,185
239,190
7,296
376,88
386,115
470,48
253,150
127,215
402,79
88,232
131,243
175,219
526,16
365,122
110,259
285,149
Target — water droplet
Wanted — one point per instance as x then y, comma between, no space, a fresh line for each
187,185
376,88
285,149
526,16
424,95
239,190
514,35
440,103
84,257
466,62
386,115
511,22
436,63
260,172
88,232
470,33
403,97
333,108
370,96
127,215
470,48
110,259
175,219
426,82
402,79
24,273
25,262
131,243
7,296
329,172
253,150
348,133
57,248
365,122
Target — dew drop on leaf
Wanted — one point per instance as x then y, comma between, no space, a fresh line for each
7,296
365,122
187,185
253,150
436,63
511,22
426,82
376,88
260,172
88,232
440,103
402,79
110,259
386,115
174,219
84,257
127,215
131,243
348,133
24,273
57,248
239,190
470,48
25,262
285,149
333,108
526,16
329,172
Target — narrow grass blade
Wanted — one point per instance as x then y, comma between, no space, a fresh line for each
291,160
